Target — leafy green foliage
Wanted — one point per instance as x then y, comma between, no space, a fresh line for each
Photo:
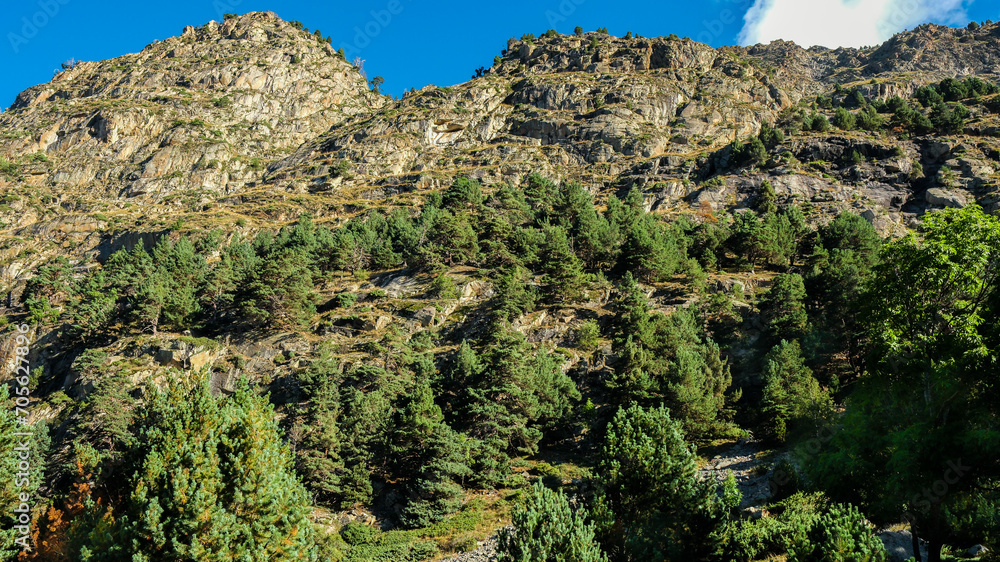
783,307
844,119
789,521
668,360
432,455
753,152
916,414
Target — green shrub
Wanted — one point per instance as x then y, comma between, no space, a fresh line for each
346,300
843,119
840,535
546,528
443,287
8,168
773,535
588,336
358,533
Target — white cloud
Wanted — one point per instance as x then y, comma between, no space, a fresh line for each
843,23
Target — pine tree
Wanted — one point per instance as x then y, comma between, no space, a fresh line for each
93,305
667,360
844,119
216,294
649,250
182,270
840,535
783,307
747,239
431,456
791,394
516,393
651,504
280,290
546,528
214,481
563,277
319,458
150,298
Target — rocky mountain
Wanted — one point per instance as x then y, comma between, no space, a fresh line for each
231,131
225,117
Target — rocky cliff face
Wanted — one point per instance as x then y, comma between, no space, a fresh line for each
254,119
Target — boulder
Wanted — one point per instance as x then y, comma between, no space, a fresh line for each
425,316
938,197
977,550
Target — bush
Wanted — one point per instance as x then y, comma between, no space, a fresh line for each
346,300
791,518
358,533
8,168
443,287
869,119
753,152
843,119
840,535
588,336
819,123
546,528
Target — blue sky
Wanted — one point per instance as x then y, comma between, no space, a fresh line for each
412,43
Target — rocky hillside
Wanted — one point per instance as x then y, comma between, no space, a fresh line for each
235,119
286,222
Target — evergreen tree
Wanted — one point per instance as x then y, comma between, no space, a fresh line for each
649,250
668,360
840,535
747,239
751,153
767,200
563,277
431,456
93,305
318,452
517,392
546,528
183,271
463,194
844,119
783,307
214,481
513,298
217,292
450,240
847,249
651,504
150,298
791,394
280,291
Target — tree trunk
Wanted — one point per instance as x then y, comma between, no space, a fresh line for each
934,550
916,543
